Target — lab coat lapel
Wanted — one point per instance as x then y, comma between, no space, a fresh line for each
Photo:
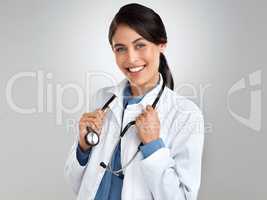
116,106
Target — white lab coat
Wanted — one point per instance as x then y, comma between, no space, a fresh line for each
170,173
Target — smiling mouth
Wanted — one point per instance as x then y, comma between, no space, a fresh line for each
136,69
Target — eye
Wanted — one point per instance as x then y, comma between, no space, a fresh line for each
120,49
139,46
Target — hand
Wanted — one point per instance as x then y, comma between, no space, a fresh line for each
92,119
148,125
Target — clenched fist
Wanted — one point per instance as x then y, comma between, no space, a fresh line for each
94,120
148,125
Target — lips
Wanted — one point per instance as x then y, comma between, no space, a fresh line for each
136,69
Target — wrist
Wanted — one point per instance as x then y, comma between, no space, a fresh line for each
83,146
148,140
150,148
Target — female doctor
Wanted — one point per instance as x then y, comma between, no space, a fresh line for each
141,140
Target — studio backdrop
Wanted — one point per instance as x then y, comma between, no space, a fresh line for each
55,54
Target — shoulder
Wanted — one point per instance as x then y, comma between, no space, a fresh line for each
184,120
181,104
180,112
100,97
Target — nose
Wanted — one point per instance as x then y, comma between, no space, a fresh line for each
132,56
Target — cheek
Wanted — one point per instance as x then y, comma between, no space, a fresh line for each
119,61
153,59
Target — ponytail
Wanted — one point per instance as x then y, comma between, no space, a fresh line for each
165,72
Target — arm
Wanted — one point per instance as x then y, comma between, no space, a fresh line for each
82,155
77,160
175,172
73,171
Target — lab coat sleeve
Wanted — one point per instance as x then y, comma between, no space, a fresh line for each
73,171
174,172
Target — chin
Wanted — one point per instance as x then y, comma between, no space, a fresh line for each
139,83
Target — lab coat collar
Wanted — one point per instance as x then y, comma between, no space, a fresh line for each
117,105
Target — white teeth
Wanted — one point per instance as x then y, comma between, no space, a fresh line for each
136,69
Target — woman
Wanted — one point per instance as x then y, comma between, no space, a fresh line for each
146,143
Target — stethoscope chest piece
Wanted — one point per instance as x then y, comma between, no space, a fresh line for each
91,138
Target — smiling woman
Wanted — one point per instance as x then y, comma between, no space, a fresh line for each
137,58
138,38
148,145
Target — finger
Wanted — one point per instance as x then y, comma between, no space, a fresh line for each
100,111
93,124
97,118
83,127
101,114
150,109
96,114
92,116
96,121
145,114
137,122
85,124
87,119
89,114
141,118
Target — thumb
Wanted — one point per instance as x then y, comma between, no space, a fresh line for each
149,107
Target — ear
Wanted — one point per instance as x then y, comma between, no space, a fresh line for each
162,47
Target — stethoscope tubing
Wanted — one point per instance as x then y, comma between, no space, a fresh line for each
122,133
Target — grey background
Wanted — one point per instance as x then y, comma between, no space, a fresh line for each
211,43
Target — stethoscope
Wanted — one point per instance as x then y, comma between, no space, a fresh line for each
92,138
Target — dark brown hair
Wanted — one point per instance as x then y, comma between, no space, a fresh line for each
147,23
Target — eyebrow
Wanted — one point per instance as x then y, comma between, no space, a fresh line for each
136,40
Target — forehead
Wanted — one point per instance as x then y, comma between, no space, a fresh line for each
125,35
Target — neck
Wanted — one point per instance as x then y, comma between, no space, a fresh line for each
141,90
